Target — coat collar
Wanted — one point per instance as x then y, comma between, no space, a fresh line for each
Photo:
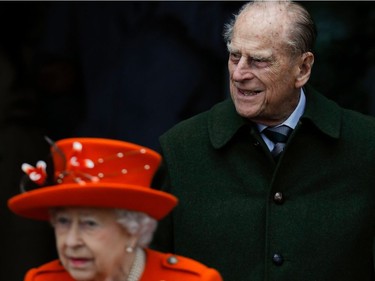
323,113
224,122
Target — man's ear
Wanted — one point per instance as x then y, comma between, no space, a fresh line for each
304,69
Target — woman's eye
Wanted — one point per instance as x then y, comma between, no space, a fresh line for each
89,223
61,221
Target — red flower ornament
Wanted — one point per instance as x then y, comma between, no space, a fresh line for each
37,174
76,162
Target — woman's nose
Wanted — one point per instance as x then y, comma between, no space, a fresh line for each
73,237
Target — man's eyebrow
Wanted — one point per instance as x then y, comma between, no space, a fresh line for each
231,48
262,57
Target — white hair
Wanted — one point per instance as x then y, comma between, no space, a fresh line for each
137,223
302,31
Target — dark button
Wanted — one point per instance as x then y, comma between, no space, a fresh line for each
277,259
256,143
172,260
278,198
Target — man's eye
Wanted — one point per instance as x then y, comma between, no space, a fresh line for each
235,56
260,62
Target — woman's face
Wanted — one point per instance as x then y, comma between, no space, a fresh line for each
91,243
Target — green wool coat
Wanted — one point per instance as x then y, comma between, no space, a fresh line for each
309,217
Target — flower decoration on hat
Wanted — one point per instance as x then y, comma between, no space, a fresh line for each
75,161
85,162
37,174
76,166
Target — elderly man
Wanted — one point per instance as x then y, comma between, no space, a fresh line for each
277,182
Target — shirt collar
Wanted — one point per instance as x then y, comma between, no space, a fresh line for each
293,119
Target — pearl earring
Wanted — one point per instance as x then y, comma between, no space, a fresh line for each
129,249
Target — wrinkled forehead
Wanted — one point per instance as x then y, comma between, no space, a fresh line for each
266,21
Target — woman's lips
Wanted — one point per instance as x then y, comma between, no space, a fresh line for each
78,262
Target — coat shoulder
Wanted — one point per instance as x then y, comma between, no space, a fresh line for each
51,271
198,122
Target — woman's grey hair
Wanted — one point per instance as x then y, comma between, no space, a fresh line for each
137,223
302,34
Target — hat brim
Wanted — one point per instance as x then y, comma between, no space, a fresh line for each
36,204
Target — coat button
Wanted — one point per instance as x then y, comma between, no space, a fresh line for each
277,259
278,198
256,143
172,260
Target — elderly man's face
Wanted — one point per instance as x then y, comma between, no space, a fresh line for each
262,72
90,243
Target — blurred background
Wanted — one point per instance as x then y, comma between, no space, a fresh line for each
130,71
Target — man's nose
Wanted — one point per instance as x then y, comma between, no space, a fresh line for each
242,70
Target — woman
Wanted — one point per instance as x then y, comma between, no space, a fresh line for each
104,213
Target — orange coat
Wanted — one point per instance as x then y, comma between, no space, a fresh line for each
159,266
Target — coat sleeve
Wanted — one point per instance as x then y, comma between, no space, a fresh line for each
51,271
30,275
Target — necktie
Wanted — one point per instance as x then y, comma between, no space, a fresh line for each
279,136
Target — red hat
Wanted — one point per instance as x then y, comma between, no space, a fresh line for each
93,172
